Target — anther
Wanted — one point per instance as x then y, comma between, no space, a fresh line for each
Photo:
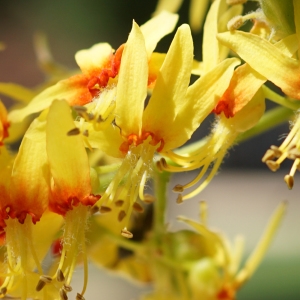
67,288
119,203
179,199
60,275
235,23
148,198
277,151
44,279
3,290
104,209
94,209
269,155
126,233
273,165
73,131
79,297
293,154
159,166
85,133
121,216
137,207
63,294
91,116
178,188
79,108
100,119
163,163
289,180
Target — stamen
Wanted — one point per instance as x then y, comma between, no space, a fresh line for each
44,279
137,207
104,209
79,297
142,185
272,165
85,133
277,151
178,188
289,180
3,291
119,203
149,198
269,155
63,294
121,216
60,276
179,199
126,233
67,288
235,2
74,131
94,209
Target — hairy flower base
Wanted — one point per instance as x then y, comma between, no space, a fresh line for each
211,152
129,182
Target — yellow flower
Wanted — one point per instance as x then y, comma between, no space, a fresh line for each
172,114
4,124
100,68
217,276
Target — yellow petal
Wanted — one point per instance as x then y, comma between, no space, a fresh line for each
108,140
210,43
93,59
30,174
74,90
197,13
200,100
16,92
168,5
156,28
266,59
132,84
171,84
66,154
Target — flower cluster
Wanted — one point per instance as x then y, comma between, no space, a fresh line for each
93,139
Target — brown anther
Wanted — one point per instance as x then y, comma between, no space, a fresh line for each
178,188
137,207
60,275
3,291
85,132
67,288
272,165
119,203
74,131
179,199
63,294
94,209
269,155
163,163
293,154
79,108
40,285
121,216
289,180
277,151
148,198
100,119
158,166
104,209
79,297
126,233
91,116
44,279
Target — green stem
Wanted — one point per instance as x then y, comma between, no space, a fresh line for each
161,180
283,101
